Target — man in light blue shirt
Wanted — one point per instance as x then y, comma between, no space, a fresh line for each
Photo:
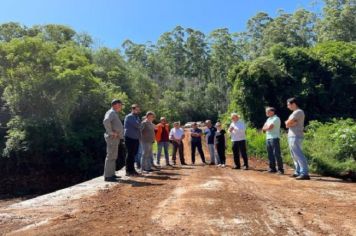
272,127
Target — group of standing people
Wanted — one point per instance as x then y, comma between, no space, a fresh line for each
137,134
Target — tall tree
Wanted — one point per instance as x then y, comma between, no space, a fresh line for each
338,21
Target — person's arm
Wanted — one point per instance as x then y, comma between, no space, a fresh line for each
231,128
268,127
121,130
294,118
291,122
171,135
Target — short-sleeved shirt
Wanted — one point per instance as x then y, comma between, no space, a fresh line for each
276,130
196,131
210,134
220,138
176,133
297,130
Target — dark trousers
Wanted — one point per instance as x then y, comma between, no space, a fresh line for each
221,153
197,145
274,154
132,148
180,148
120,161
239,147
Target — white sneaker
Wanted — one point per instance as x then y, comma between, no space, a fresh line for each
223,165
219,165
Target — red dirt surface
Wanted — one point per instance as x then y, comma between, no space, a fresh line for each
205,200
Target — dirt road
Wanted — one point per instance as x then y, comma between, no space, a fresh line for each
205,200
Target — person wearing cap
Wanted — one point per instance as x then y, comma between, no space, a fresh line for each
162,138
220,143
176,135
210,141
147,140
114,132
272,127
195,142
132,133
237,131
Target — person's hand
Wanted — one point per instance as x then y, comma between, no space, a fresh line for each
114,135
264,127
231,129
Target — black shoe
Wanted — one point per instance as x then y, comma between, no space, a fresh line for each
116,176
236,167
272,171
294,175
303,177
212,163
110,179
184,164
133,173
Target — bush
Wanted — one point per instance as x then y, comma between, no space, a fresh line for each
331,147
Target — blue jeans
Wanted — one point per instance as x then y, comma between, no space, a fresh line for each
165,146
274,154
300,162
138,156
146,161
213,155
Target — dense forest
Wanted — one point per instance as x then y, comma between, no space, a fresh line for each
55,85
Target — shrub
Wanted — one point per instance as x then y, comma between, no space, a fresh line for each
331,147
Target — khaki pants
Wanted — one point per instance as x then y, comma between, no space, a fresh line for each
112,148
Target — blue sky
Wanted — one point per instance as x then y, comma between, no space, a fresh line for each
110,22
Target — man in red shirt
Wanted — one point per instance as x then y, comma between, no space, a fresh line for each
162,138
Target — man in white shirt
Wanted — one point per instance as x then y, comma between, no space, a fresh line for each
176,135
238,137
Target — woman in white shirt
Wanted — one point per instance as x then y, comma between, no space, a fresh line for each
237,131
